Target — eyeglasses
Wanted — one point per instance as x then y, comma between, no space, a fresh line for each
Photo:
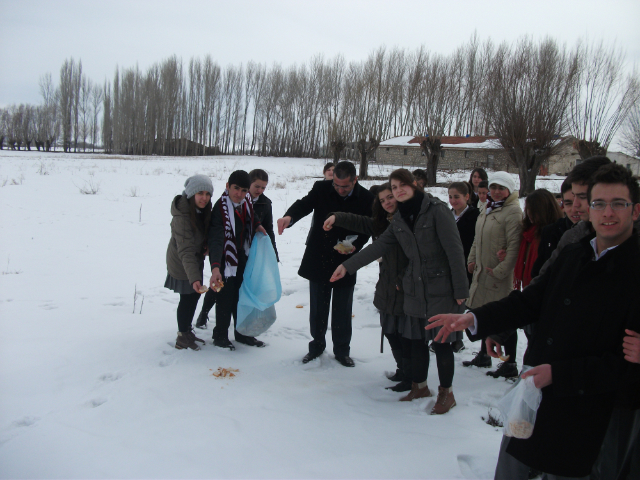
341,187
615,205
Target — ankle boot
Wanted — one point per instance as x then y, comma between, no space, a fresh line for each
184,340
418,390
399,375
202,320
445,401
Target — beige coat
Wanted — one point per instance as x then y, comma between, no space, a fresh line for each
501,229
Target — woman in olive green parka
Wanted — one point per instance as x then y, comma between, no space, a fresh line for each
191,215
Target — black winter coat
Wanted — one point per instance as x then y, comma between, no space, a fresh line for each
217,239
320,259
264,214
581,308
467,229
549,238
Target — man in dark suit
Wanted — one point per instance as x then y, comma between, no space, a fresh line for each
583,305
342,194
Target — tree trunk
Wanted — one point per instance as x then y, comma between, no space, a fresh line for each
432,169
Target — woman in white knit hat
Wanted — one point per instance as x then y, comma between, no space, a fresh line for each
499,227
191,214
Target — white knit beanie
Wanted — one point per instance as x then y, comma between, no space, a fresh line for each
504,179
197,183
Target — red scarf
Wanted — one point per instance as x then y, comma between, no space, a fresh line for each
527,256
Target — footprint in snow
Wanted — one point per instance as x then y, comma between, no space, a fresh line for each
96,402
476,467
25,421
110,377
48,306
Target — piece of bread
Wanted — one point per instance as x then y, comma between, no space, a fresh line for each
218,286
203,289
343,248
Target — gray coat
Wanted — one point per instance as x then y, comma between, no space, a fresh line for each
388,298
185,252
436,274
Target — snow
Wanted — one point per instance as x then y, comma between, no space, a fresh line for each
400,142
91,386
404,142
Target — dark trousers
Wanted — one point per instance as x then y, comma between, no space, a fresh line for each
227,306
209,301
186,310
320,298
620,453
420,361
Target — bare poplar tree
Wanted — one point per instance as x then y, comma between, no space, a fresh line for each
97,97
603,100
528,91
630,140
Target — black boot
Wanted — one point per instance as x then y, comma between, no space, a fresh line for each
404,385
203,318
399,375
480,360
506,370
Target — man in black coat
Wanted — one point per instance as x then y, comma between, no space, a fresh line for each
262,204
342,194
581,305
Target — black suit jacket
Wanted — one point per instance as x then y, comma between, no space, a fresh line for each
320,259
264,214
580,308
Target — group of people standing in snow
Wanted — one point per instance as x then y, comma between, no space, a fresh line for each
544,270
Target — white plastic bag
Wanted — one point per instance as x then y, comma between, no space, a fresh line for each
346,245
519,408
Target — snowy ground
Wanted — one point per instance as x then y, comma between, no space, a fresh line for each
91,386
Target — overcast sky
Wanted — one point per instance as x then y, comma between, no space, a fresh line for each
36,36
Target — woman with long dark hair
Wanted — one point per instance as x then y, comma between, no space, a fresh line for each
388,298
187,248
477,175
434,281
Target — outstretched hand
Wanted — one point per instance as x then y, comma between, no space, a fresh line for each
449,323
283,223
338,274
328,223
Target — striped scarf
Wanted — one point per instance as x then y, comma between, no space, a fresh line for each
491,204
230,249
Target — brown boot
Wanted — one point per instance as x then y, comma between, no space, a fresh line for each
445,401
185,340
418,390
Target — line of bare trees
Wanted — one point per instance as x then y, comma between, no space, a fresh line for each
528,94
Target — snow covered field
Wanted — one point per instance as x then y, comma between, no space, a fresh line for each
91,386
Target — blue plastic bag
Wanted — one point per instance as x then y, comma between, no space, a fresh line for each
260,289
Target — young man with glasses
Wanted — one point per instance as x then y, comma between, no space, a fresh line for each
583,307
342,194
